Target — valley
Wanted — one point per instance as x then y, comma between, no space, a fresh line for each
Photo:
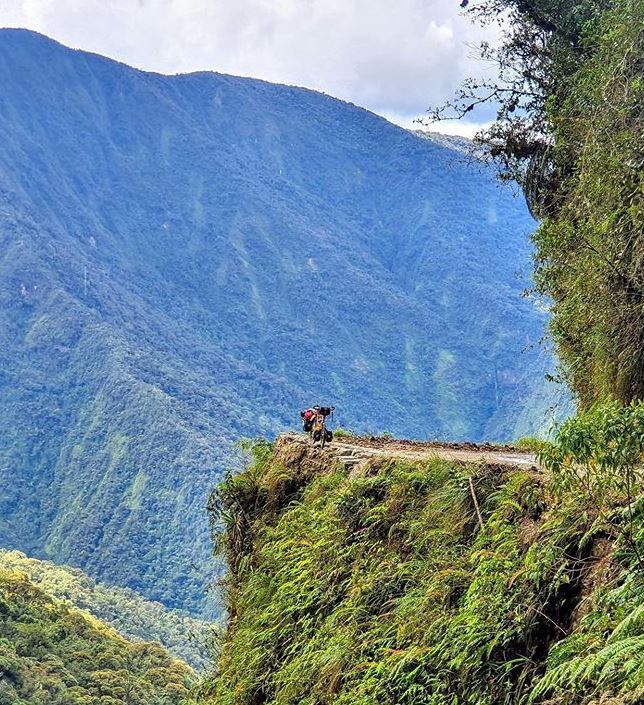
187,261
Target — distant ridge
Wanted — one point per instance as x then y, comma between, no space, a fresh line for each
455,142
189,260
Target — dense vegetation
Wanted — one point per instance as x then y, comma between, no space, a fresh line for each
569,129
54,655
382,587
120,608
590,248
187,260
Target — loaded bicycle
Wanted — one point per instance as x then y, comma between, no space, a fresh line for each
314,422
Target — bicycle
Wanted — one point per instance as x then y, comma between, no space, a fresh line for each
319,432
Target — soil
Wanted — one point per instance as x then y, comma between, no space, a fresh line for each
354,450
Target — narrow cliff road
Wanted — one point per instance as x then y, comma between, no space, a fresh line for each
352,451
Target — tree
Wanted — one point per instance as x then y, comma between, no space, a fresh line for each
570,97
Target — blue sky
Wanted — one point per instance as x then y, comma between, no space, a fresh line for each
395,57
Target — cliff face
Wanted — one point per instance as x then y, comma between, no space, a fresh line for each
378,583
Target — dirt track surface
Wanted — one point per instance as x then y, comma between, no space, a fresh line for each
353,450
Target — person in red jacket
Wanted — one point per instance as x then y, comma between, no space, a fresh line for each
308,417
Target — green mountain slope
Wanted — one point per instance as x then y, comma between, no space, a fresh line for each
122,609
383,584
53,655
188,260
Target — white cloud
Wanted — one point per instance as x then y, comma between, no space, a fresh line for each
395,58
460,128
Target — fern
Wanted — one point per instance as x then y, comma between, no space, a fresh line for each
611,664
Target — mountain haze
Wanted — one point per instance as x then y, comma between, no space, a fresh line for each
188,260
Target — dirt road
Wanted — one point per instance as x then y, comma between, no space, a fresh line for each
354,450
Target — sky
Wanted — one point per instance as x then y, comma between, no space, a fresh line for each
394,57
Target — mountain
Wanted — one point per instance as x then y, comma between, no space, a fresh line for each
136,619
189,260
53,654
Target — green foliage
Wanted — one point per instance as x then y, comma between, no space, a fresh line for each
600,451
603,659
54,655
122,609
599,457
589,251
596,463
381,588
343,433
530,443
569,94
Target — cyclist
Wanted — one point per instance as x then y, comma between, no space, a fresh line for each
308,417
314,422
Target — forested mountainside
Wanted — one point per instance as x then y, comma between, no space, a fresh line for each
51,654
135,618
188,260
